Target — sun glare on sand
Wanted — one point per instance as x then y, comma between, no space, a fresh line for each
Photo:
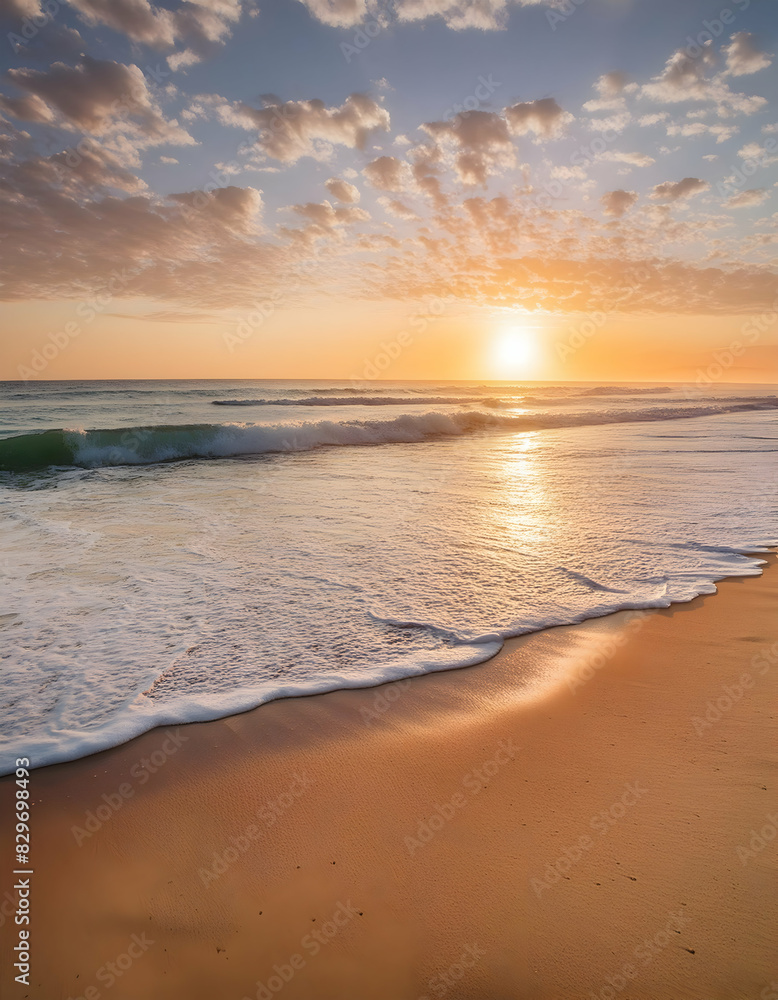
515,351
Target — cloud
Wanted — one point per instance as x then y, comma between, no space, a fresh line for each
397,208
139,20
482,141
486,15
337,13
75,173
13,141
691,129
426,163
630,159
568,173
199,25
19,9
654,119
759,154
748,199
325,222
615,123
98,97
291,130
544,118
743,56
326,216
168,159
233,208
387,173
556,282
616,203
682,79
28,108
679,190
685,78
52,43
342,190
199,248
611,84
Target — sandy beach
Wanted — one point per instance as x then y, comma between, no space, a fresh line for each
592,813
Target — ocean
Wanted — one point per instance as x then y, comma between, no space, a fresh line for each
184,550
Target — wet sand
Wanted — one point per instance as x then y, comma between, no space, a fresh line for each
592,813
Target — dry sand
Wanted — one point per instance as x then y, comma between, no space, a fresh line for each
511,830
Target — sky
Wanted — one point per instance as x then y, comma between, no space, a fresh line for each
389,189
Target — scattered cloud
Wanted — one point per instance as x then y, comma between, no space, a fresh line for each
97,96
544,118
629,159
612,84
199,25
337,13
744,56
679,190
616,203
748,199
482,143
691,129
290,130
387,173
486,15
692,78
397,208
342,190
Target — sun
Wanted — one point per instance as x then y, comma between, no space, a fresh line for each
514,351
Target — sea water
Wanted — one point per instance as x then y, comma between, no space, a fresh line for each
177,551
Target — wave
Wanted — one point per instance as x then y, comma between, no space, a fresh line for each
365,401
150,445
568,389
623,390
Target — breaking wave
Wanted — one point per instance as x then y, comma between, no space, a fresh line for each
150,445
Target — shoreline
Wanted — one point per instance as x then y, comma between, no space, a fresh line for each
759,558
548,823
